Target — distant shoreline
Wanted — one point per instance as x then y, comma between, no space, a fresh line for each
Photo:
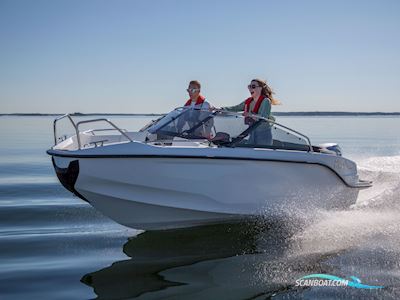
299,113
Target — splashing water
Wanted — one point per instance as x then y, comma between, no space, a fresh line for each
373,222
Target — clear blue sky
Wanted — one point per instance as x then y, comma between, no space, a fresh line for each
138,56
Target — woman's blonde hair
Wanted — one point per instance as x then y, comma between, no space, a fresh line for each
267,91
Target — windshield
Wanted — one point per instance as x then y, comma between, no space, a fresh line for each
227,129
185,122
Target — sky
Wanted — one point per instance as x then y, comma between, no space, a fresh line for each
120,56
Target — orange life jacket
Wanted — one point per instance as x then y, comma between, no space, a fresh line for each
256,106
199,101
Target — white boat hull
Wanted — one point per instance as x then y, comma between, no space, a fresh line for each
170,192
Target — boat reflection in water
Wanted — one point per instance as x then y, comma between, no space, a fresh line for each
252,260
227,261
153,253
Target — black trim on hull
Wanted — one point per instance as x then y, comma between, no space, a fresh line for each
68,176
58,154
50,152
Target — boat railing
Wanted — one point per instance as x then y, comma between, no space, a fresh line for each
93,131
273,123
100,120
55,126
77,132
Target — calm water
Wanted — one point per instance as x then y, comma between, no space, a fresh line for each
54,246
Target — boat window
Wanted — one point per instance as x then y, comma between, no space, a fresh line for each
228,129
283,139
236,130
151,123
273,136
163,121
187,123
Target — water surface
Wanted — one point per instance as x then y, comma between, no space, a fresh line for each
55,246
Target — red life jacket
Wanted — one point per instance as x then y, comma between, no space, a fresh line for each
199,101
256,106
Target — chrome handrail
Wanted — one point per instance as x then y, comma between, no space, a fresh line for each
76,127
55,126
99,120
92,131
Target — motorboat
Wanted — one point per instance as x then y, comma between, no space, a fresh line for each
193,167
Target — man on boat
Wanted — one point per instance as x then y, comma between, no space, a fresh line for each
199,111
196,100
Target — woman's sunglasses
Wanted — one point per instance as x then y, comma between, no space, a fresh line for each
192,90
252,86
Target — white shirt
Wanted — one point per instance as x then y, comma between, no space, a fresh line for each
205,105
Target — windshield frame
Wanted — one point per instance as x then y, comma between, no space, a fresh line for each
187,134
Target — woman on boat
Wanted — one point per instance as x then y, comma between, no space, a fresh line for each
259,103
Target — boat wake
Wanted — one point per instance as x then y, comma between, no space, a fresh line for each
371,223
361,241
385,173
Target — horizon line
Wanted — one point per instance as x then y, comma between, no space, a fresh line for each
290,113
